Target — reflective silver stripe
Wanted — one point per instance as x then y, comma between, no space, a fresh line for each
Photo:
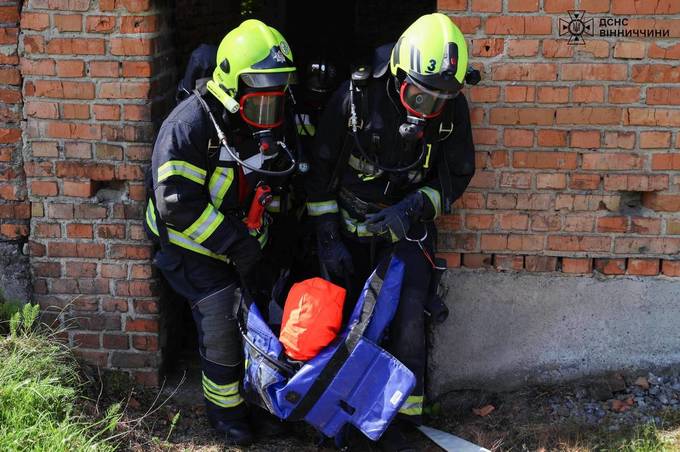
316,209
435,198
275,204
181,168
205,225
220,181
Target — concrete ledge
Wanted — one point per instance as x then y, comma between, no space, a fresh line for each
510,329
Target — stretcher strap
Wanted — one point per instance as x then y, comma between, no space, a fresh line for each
343,351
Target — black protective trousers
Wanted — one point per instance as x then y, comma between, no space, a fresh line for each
406,336
209,285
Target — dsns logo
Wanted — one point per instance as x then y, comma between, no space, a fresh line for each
576,27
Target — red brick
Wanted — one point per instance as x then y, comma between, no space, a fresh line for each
552,181
64,89
590,94
508,262
68,22
76,46
147,343
621,140
520,181
142,325
522,6
104,69
124,90
484,94
656,73
34,44
552,95
135,6
524,72
579,223
540,263
518,25
137,69
585,139
579,243
69,5
47,230
47,269
642,7
86,340
526,242
578,71
151,306
131,46
612,224
82,231
552,138
668,52
487,6
45,110
635,182
595,6
629,50
643,267
557,48
467,24
92,171
100,24
611,266
44,188
661,202
655,140
139,24
106,112
33,21
478,222
640,225
472,260
82,270
652,117
577,265
605,161
588,116
518,138
544,160
115,341
522,116
520,93
70,68
598,49
670,268
624,94
75,111
559,6
522,47
9,35
514,221
452,5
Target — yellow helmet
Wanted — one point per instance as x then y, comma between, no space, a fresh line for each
431,53
252,53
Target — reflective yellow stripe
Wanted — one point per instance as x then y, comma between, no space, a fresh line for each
435,198
181,168
219,184
205,225
316,209
275,205
228,389
179,239
225,396
427,157
357,227
413,406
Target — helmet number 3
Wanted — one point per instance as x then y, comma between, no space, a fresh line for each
432,64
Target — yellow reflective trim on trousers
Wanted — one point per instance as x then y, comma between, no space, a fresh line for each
413,406
435,198
219,184
319,208
228,389
223,402
179,239
181,168
354,226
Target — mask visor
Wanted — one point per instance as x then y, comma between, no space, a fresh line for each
421,102
263,110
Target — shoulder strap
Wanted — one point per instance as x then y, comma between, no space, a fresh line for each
342,162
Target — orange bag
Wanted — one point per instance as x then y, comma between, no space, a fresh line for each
312,317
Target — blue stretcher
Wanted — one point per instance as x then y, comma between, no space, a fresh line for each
351,381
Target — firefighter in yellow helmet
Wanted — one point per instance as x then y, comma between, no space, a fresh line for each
219,173
393,150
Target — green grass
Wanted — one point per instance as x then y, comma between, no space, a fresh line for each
39,391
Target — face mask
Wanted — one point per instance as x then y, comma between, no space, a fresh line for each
263,110
420,102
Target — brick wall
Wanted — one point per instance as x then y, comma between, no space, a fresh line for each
577,145
14,208
96,75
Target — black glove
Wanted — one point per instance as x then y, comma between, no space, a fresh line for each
245,253
396,219
333,253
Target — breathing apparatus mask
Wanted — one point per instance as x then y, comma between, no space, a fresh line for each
421,104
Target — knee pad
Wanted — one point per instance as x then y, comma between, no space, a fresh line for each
219,336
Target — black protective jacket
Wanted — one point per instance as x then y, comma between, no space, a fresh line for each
199,194
449,156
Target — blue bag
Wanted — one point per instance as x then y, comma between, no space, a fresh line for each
351,381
